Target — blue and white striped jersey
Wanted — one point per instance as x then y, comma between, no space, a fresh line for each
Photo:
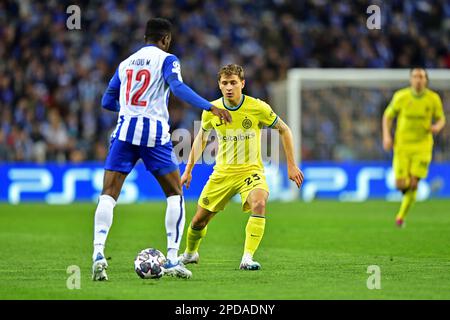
142,80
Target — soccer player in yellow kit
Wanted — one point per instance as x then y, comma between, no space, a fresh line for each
239,168
415,108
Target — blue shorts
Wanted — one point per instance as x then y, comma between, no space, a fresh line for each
159,160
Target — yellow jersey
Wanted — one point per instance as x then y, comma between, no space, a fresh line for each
240,141
415,114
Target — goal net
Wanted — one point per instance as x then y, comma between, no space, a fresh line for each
335,114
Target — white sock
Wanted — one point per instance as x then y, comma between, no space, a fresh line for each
102,222
172,254
175,219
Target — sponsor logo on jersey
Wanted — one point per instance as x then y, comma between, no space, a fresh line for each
239,137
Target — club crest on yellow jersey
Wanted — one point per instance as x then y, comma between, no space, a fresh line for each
247,123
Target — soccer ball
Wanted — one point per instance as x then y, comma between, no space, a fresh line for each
149,263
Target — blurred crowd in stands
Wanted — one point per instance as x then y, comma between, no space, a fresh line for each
52,78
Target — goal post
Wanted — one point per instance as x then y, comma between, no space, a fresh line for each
337,83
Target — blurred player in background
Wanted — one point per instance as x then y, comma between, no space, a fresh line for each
239,168
139,91
415,108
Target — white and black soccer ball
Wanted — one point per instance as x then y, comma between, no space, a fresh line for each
149,263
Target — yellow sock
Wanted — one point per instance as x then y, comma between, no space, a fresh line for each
408,199
193,239
254,233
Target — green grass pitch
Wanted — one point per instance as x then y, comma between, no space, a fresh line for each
318,250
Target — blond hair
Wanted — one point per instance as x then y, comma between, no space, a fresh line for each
231,69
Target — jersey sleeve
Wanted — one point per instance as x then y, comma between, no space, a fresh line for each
114,83
438,109
111,94
171,69
393,108
206,121
267,118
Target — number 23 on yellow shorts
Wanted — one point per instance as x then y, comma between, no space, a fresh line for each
220,188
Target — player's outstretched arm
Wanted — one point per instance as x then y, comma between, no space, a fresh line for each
294,173
197,149
172,75
185,93
387,127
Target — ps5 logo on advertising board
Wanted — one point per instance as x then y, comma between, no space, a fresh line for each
335,181
56,186
26,181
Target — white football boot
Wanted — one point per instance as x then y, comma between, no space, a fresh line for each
247,263
187,258
99,268
176,270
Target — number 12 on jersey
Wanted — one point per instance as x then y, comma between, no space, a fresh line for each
142,75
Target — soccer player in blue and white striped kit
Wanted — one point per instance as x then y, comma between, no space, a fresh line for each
139,91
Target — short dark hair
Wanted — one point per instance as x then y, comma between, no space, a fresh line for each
157,28
419,68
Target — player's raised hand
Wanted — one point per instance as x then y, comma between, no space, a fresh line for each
295,174
186,179
387,143
222,114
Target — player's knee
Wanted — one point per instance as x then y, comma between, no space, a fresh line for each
400,184
414,184
174,190
258,206
198,223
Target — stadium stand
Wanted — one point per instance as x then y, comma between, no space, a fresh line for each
52,78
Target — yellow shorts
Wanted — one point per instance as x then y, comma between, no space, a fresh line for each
410,163
220,188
